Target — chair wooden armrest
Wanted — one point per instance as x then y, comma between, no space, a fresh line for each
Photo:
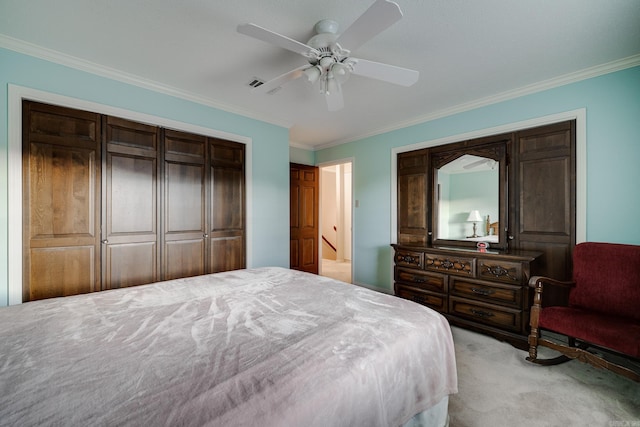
557,291
539,281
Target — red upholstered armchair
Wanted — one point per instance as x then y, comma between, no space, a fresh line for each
603,312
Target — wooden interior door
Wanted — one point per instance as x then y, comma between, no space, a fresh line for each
130,233
61,201
304,214
227,215
184,206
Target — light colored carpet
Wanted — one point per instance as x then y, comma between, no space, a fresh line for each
498,387
340,270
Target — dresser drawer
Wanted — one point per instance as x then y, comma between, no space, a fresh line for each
503,271
407,258
431,299
430,281
489,314
462,266
496,293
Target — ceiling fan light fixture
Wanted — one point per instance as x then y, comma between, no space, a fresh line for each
329,63
341,71
313,73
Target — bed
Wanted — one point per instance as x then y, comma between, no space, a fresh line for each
267,346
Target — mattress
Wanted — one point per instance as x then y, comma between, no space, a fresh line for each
266,346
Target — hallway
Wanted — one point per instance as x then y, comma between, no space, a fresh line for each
337,270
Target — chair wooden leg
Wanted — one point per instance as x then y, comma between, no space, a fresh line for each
533,323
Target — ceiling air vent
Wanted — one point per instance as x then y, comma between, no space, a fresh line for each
256,82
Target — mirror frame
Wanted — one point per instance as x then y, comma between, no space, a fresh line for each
497,150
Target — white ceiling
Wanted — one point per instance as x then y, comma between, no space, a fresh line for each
467,52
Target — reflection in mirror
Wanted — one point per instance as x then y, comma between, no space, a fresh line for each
468,184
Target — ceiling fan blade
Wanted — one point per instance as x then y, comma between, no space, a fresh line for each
334,98
284,42
282,79
385,72
380,16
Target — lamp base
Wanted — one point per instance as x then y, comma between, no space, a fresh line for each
475,229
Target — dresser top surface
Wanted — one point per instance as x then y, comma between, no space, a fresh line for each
514,254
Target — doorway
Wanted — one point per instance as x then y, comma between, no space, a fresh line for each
336,221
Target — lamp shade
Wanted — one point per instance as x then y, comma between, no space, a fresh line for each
474,216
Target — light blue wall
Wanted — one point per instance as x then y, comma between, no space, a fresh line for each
612,104
269,218
301,156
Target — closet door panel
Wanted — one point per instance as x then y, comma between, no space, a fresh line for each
62,196
186,258
130,231
61,204
227,193
227,213
184,205
131,264
62,271
227,253
132,206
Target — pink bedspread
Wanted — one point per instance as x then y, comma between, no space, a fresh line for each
268,347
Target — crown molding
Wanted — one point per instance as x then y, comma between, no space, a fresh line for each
60,58
37,51
588,73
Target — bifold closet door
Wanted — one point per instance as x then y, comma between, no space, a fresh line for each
111,203
61,201
227,217
184,205
130,249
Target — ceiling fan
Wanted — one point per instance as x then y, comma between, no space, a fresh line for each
329,61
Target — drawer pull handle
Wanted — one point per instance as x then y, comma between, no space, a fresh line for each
419,279
499,271
482,313
408,259
484,292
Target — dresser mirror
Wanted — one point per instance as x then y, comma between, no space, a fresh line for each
469,196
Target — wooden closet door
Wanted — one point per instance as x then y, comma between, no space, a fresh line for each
303,221
227,214
413,197
544,199
61,201
130,214
184,205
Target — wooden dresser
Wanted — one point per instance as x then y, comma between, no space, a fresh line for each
484,291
